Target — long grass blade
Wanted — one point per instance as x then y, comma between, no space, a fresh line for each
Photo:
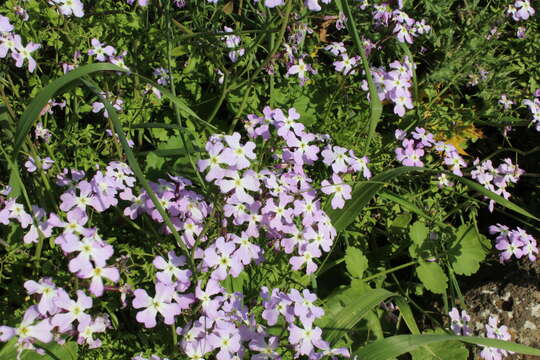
55,88
392,347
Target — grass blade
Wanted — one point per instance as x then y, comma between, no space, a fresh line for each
361,302
375,103
363,193
392,347
55,88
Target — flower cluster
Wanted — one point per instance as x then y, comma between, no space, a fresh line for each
227,326
534,107
493,331
405,28
394,85
513,243
520,10
496,179
412,150
459,323
32,165
11,42
56,314
233,42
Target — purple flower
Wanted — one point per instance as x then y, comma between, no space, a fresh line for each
340,190
74,310
510,246
459,322
8,43
286,124
70,7
87,328
426,138
31,165
160,303
523,10
337,157
226,338
346,65
22,53
301,68
307,254
97,273
43,228
336,48
236,154
29,330
307,338
101,50
170,269
5,26
48,292
233,180
90,248
219,257
505,102
402,102
409,156
304,306
359,164
71,200
273,3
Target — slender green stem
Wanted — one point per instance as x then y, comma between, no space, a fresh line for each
173,90
263,65
375,102
399,267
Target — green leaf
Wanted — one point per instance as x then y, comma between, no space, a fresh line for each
418,233
400,222
53,351
441,350
394,346
362,193
406,313
432,276
356,262
468,250
358,302
422,246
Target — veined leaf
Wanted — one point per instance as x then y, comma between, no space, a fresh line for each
356,262
432,276
353,311
468,250
443,350
394,346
